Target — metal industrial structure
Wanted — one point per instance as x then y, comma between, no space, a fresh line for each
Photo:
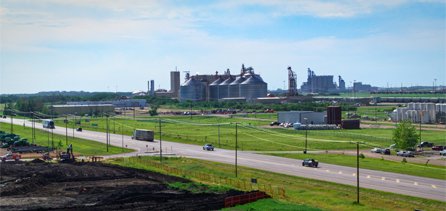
318,84
334,115
292,85
175,83
246,86
421,112
303,117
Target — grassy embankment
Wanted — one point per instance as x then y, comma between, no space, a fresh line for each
252,135
311,193
82,147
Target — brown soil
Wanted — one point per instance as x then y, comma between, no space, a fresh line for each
38,185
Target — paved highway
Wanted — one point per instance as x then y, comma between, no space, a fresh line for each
378,180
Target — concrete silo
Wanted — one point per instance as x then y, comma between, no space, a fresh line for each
192,90
234,87
253,87
214,89
223,87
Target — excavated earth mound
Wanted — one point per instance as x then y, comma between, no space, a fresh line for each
95,186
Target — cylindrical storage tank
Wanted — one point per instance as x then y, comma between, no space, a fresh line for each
192,90
234,87
223,88
334,115
253,87
214,89
417,106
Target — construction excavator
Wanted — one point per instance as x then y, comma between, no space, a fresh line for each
67,157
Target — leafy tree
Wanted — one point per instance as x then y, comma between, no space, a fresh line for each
405,135
153,110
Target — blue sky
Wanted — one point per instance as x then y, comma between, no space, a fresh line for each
100,45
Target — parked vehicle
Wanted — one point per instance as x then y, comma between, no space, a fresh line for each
425,144
11,156
438,148
405,154
377,150
443,152
208,147
385,151
309,162
79,129
274,123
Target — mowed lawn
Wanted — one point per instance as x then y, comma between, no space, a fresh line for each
82,147
252,134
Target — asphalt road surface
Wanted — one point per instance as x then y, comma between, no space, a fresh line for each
378,180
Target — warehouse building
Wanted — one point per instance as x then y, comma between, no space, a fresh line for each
303,117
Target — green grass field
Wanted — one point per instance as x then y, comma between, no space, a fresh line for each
271,205
253,134
80,146
299,191
431,171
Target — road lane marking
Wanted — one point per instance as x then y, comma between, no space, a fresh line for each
340,172
433,186
383,178
415,183
368,176
397,180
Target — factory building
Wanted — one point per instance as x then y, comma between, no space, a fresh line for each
420,112
303,117
318,84
247,85
360,87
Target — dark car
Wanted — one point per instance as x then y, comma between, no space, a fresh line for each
425,144
438,148
274,123
79,129
386,151
310,163
208,147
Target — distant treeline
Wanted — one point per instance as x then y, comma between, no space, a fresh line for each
39,102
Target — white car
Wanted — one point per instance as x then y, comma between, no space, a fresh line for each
377,150
443,152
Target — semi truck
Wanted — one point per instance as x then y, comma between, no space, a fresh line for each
143,135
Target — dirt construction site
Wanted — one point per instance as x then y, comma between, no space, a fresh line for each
38,185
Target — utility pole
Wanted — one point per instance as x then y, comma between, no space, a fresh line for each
33,135
306,135
74,125
66,130
236,146
106,133
161,146
122,138
357,172
218,134
12,123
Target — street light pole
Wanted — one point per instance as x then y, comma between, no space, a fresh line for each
122,138
357,172
66,130
107,136
12,121
306,135
236,146
161,146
